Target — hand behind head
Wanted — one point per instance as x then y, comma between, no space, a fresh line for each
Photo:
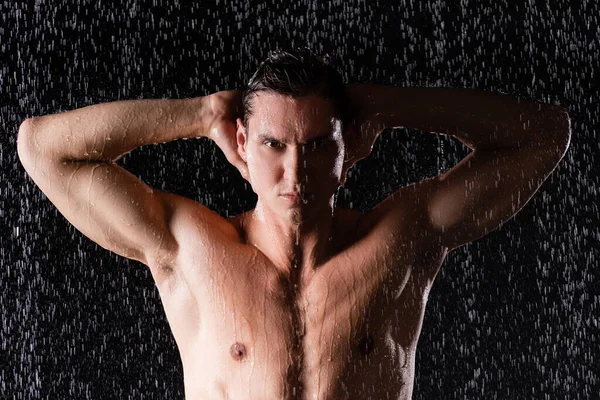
225,107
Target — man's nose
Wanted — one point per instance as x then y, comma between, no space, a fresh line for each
296,166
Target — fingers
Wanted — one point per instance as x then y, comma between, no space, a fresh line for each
223,131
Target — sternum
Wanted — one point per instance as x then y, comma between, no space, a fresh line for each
298,317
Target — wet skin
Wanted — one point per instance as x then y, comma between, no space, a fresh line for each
297,299
246,329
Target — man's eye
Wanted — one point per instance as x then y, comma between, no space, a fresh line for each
272,144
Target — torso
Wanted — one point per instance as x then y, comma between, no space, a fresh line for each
244,332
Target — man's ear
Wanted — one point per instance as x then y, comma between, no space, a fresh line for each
242,139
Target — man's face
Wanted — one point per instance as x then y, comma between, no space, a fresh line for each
292,145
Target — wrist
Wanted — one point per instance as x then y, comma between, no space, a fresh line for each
200,115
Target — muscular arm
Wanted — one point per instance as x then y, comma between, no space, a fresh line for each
481,120
516,144
71,157
105,132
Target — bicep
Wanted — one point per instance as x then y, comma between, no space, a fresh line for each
107,204
487,188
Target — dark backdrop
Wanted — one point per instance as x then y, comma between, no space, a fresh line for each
513,315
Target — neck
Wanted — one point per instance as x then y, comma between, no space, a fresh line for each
290,241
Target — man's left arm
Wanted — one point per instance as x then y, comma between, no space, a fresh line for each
515,144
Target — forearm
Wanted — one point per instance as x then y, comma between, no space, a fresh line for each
105,132
479,119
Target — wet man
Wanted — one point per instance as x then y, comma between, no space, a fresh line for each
297,298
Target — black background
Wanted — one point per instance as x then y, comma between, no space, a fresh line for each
512,315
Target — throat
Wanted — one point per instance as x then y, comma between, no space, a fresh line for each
297,263
295,253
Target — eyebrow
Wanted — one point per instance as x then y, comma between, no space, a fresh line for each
269,137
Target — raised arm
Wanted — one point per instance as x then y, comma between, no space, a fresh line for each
516,145
72,157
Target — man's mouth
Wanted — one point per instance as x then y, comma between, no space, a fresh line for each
296,197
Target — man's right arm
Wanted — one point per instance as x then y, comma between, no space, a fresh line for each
72,157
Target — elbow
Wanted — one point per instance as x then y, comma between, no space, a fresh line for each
26,126
557,126
568,130
564,125
28,139
26,129
564,130
29,126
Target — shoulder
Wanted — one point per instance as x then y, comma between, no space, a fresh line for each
189,217
404,211
192,226
402,219
401,224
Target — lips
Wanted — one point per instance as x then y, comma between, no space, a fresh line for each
295,196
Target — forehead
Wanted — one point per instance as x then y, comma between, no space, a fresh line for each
285,115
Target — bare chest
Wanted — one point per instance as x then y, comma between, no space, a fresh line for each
242,328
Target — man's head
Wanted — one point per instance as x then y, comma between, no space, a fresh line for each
295,113
297,73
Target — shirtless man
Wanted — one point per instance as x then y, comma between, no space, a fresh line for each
297,298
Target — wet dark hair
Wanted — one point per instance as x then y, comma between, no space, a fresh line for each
298,73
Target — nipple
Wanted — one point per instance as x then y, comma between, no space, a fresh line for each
366,344
238,351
